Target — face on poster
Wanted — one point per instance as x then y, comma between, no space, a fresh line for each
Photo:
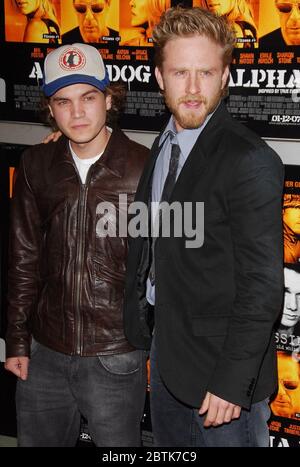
95,22
279,22
33,21
243,16
287,401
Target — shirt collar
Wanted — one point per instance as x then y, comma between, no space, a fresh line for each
185,138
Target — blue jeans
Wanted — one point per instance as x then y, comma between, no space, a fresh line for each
175,424
109,391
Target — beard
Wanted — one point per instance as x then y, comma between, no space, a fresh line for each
192,118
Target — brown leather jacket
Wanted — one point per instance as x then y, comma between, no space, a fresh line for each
66,284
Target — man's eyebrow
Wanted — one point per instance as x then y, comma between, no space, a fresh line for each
91,91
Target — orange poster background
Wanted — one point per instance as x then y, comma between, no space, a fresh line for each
268,17
11,180
68,16
125,15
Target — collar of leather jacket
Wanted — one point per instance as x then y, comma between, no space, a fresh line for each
112,158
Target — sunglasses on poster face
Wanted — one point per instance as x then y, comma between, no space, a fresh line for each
290,385
287,7
95,7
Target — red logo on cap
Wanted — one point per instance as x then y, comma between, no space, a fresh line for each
72,59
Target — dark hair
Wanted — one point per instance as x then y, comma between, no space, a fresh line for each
117,91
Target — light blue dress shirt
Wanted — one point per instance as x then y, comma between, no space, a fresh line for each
186,140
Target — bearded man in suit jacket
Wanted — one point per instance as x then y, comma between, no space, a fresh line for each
213,358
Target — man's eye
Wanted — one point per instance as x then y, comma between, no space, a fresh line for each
290,384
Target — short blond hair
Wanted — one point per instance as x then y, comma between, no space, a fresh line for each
187,22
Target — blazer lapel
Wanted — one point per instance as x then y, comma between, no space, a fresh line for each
193,168
200,155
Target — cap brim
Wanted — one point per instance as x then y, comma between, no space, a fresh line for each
56,85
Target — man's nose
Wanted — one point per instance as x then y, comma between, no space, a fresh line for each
77,110
295,13
89,14
291,303
281,390
193,83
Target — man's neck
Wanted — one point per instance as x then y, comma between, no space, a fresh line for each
92,148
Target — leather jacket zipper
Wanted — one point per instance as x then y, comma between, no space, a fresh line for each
82,202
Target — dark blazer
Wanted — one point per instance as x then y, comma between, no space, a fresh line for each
273,41
216,305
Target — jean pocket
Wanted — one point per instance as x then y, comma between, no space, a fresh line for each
122,364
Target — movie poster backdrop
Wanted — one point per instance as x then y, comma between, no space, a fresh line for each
265,75
285,406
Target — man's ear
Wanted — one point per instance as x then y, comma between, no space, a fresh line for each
50,110
108,101
225,77
159,78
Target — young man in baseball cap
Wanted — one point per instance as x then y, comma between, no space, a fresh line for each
65,338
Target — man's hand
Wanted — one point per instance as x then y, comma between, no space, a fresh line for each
218,410
18,366
52,137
